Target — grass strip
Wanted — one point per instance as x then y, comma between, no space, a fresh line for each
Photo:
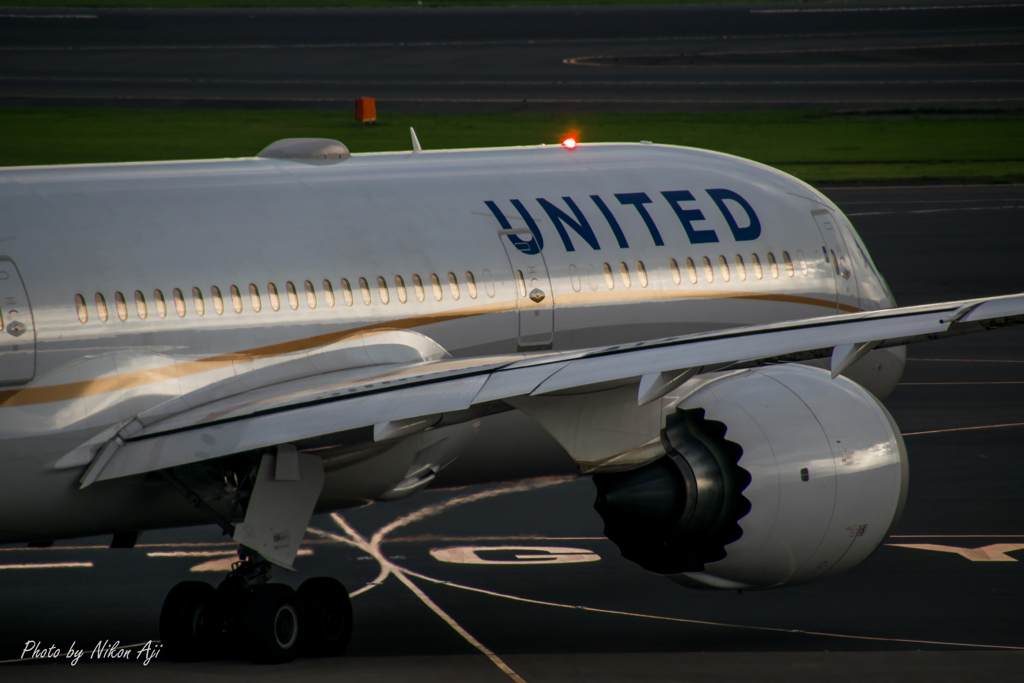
813,145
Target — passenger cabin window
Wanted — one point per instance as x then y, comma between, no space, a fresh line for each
140,305
641,273
773,266
803,261
709,272
101,308
788,263
310,294
624,273
609,279
691,270
346,292
723,267
83,310
673,267
741,268
121,306
254,298
293,295
179,302
198,301
522,283
382,288
756,263
574,278
591,278
403,295
275,298
236,298
417,285
218,300
329,294
471,284
435,283
453,285
161,303
489,283
364,291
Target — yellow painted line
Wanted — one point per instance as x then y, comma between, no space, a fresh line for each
944,384
387,568
959,536
702,622
46,565
995,552
964,429
964,360
92,387
432,538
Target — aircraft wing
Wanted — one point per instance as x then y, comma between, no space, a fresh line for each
388,402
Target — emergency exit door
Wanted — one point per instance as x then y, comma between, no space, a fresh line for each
838,260
17,328
533,290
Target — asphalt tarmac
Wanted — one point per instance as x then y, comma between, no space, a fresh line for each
948,611
838,56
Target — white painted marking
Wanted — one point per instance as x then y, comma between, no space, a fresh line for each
525,554
46,565
964,429
946,210
988,553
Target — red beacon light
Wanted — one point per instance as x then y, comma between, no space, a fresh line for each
569,143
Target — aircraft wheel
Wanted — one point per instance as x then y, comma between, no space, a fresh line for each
272,624
187,621
326,617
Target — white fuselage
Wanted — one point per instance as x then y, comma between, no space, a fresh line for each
129,285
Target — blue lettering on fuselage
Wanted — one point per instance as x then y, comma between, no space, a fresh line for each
579,224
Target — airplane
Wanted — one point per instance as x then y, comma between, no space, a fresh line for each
251,341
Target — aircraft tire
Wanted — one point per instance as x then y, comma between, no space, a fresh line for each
326,617
186,621
272,624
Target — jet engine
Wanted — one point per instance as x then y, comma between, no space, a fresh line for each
773,476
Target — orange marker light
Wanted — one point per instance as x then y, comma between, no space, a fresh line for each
569,143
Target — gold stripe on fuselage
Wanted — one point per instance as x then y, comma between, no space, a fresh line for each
73,390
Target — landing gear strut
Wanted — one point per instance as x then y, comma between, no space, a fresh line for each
266,622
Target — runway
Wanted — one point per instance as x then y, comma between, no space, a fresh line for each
849,56
941,599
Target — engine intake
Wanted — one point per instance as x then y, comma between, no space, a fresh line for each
773,476
679,512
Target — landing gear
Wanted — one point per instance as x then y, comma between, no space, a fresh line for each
326,617
188,623
271,626
266,622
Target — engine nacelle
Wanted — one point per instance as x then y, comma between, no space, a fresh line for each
774,476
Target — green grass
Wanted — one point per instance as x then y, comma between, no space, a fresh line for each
812,145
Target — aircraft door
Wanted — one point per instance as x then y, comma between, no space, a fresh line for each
17,327
533,291
838,260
